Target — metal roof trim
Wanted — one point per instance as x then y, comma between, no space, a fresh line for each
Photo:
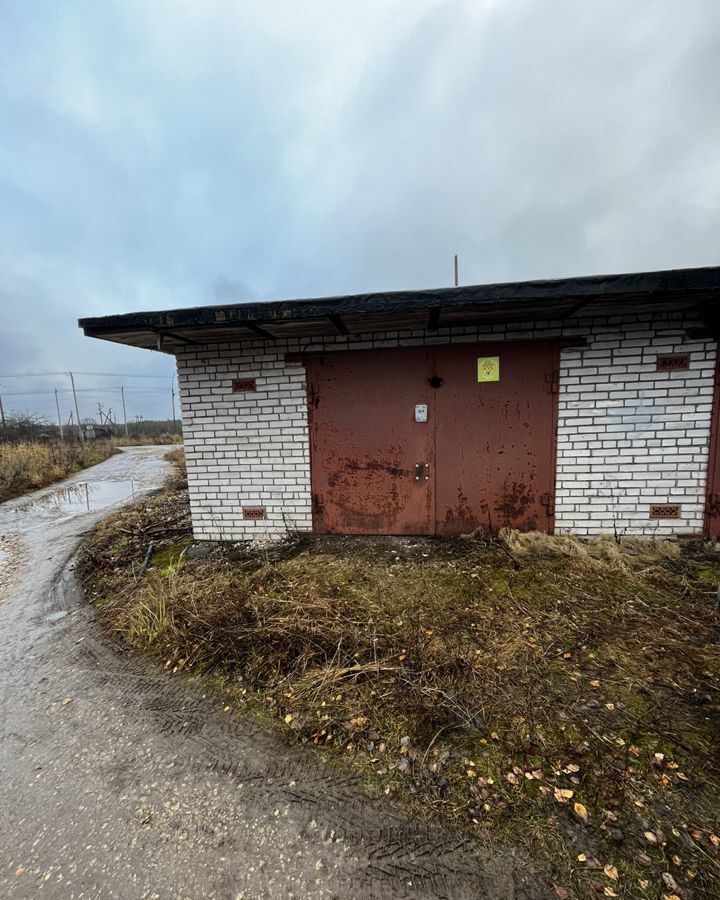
593,287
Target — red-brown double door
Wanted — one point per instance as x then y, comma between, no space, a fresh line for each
483,459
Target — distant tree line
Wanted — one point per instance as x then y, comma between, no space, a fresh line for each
26,427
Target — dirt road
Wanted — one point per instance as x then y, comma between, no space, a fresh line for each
116,781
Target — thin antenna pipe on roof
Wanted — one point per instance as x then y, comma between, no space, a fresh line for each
456,269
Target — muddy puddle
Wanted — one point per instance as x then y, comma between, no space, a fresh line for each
85,496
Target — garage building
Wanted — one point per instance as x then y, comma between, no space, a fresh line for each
580,405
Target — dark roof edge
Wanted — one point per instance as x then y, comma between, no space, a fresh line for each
662,283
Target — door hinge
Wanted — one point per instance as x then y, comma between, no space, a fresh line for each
548,501
712,504
422,471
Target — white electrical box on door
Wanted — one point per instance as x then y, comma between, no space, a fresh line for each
421,412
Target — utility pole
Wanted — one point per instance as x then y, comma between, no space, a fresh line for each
456,270
57,407
122,394
2,414
77,410
172,394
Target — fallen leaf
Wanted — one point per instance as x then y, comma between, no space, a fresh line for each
562,795
561,892
650,837
670,882
581,812
66,701
715,840
288,718
611,872
609,892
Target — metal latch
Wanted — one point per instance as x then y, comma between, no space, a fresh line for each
548,501
422,471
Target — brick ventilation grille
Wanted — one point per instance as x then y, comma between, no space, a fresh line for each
665,511
254,512
243,385
673,362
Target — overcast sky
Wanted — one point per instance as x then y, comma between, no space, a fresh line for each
164,153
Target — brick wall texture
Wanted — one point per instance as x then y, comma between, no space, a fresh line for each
628,435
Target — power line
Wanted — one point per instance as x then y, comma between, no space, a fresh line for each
96,374
43,391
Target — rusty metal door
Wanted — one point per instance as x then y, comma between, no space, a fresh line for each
372,463
495,438
485,457
712,493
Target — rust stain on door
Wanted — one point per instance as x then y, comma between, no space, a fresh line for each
712,488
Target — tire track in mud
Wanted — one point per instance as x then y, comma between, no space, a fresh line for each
391,850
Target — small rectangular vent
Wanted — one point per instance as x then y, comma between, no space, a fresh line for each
665,511
673,362
254,512
243,385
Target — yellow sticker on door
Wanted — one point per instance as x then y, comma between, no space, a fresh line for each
489,368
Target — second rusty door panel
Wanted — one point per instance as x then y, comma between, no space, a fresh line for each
495,436
372,462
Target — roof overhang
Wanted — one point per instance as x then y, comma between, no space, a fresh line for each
526,301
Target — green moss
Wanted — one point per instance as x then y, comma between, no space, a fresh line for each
170,558
709,572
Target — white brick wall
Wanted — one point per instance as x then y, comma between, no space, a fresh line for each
628,436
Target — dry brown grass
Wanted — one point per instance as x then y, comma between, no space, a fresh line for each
27,466
496,684
145,440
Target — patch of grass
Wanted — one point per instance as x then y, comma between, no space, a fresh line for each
146,439
177,457
27,466
168,560
555,694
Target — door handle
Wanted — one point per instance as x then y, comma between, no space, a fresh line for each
422,471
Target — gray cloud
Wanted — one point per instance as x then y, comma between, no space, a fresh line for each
179,153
